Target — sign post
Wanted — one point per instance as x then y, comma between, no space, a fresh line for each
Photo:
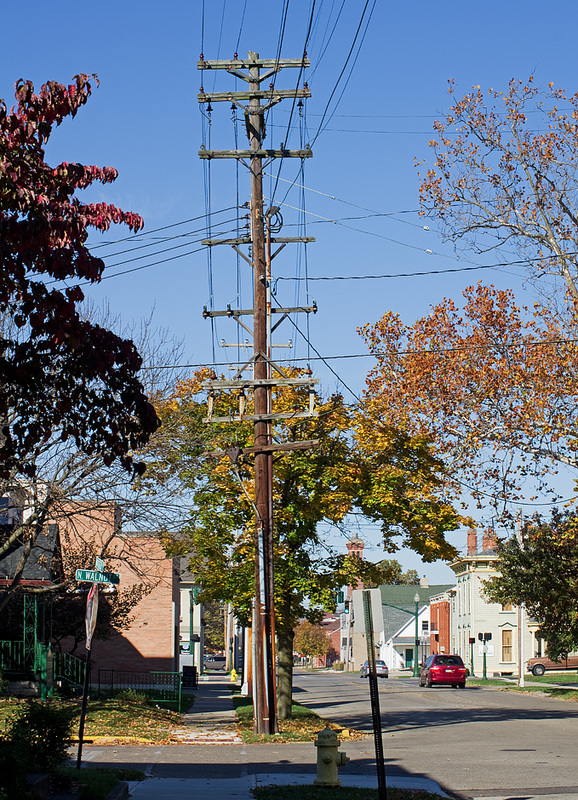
96,576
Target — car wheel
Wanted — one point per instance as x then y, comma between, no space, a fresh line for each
428,683
421,683
462,685
538,670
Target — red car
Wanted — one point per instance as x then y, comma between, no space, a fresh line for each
440,669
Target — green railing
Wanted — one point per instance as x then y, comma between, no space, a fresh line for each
69,669
160,687
12,656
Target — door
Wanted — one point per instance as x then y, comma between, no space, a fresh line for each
409,657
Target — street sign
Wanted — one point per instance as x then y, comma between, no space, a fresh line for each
99,565
93,576
91,612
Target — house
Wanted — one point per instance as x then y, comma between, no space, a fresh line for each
505,628
70,541
191,622
401,613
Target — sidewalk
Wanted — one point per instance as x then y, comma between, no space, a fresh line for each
211,720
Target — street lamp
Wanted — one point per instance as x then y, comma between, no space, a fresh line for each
416,646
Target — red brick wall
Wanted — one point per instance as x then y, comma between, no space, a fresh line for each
150,642
440,624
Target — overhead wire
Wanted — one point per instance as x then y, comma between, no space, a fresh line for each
343,69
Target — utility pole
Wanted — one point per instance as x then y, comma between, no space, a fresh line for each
255,101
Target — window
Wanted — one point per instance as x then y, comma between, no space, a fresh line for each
506,606
507,644
424,626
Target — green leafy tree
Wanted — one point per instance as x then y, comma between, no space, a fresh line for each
391,572
541,571
311,640
214,622
321,484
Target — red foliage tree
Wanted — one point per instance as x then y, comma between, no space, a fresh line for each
60,375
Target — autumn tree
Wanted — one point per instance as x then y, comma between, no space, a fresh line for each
491,385
311,640
505,176
540,571
319,485
59,374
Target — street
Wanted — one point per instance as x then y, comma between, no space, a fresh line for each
475,742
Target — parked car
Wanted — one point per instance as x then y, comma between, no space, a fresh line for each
215,662
381,669
440,669
538,665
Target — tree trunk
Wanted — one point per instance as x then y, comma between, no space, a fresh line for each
284,673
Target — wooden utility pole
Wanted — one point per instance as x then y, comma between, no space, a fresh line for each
260,239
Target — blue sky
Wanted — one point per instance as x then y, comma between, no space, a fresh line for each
145,121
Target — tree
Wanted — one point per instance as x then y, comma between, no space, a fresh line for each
505,172
311,640
66,481
59,374
492,386
321,484
541,572
390,572
214,626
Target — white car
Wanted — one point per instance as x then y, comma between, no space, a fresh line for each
381,669
215,662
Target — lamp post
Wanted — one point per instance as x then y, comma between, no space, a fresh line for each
416,646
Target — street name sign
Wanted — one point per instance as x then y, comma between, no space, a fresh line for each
93,576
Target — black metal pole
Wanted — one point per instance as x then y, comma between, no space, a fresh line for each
83,710
374,696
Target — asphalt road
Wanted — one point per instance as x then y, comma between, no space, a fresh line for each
477,743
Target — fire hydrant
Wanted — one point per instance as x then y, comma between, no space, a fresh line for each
233,675
328,758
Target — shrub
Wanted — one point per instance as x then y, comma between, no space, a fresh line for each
132,696
338,665
40,732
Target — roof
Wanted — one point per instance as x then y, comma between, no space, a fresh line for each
402,596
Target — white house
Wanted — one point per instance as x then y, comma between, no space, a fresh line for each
507,631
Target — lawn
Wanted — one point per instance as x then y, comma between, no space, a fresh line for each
532,684
302,728
342,793
111,721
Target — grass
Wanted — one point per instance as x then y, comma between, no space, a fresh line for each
553,677
111,721
304,726
93,784
533,684
306,792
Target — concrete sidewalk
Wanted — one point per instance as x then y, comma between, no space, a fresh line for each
212,720
240,788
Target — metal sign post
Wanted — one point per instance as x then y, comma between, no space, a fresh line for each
96,577
374,694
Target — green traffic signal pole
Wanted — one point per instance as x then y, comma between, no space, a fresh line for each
415,614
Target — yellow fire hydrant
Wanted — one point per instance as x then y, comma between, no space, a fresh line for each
328,758
233,675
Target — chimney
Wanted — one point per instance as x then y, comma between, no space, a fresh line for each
489,540
472,542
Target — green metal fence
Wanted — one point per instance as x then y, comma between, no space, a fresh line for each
160,687
69,670
11,656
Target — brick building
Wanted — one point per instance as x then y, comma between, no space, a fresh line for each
151,642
